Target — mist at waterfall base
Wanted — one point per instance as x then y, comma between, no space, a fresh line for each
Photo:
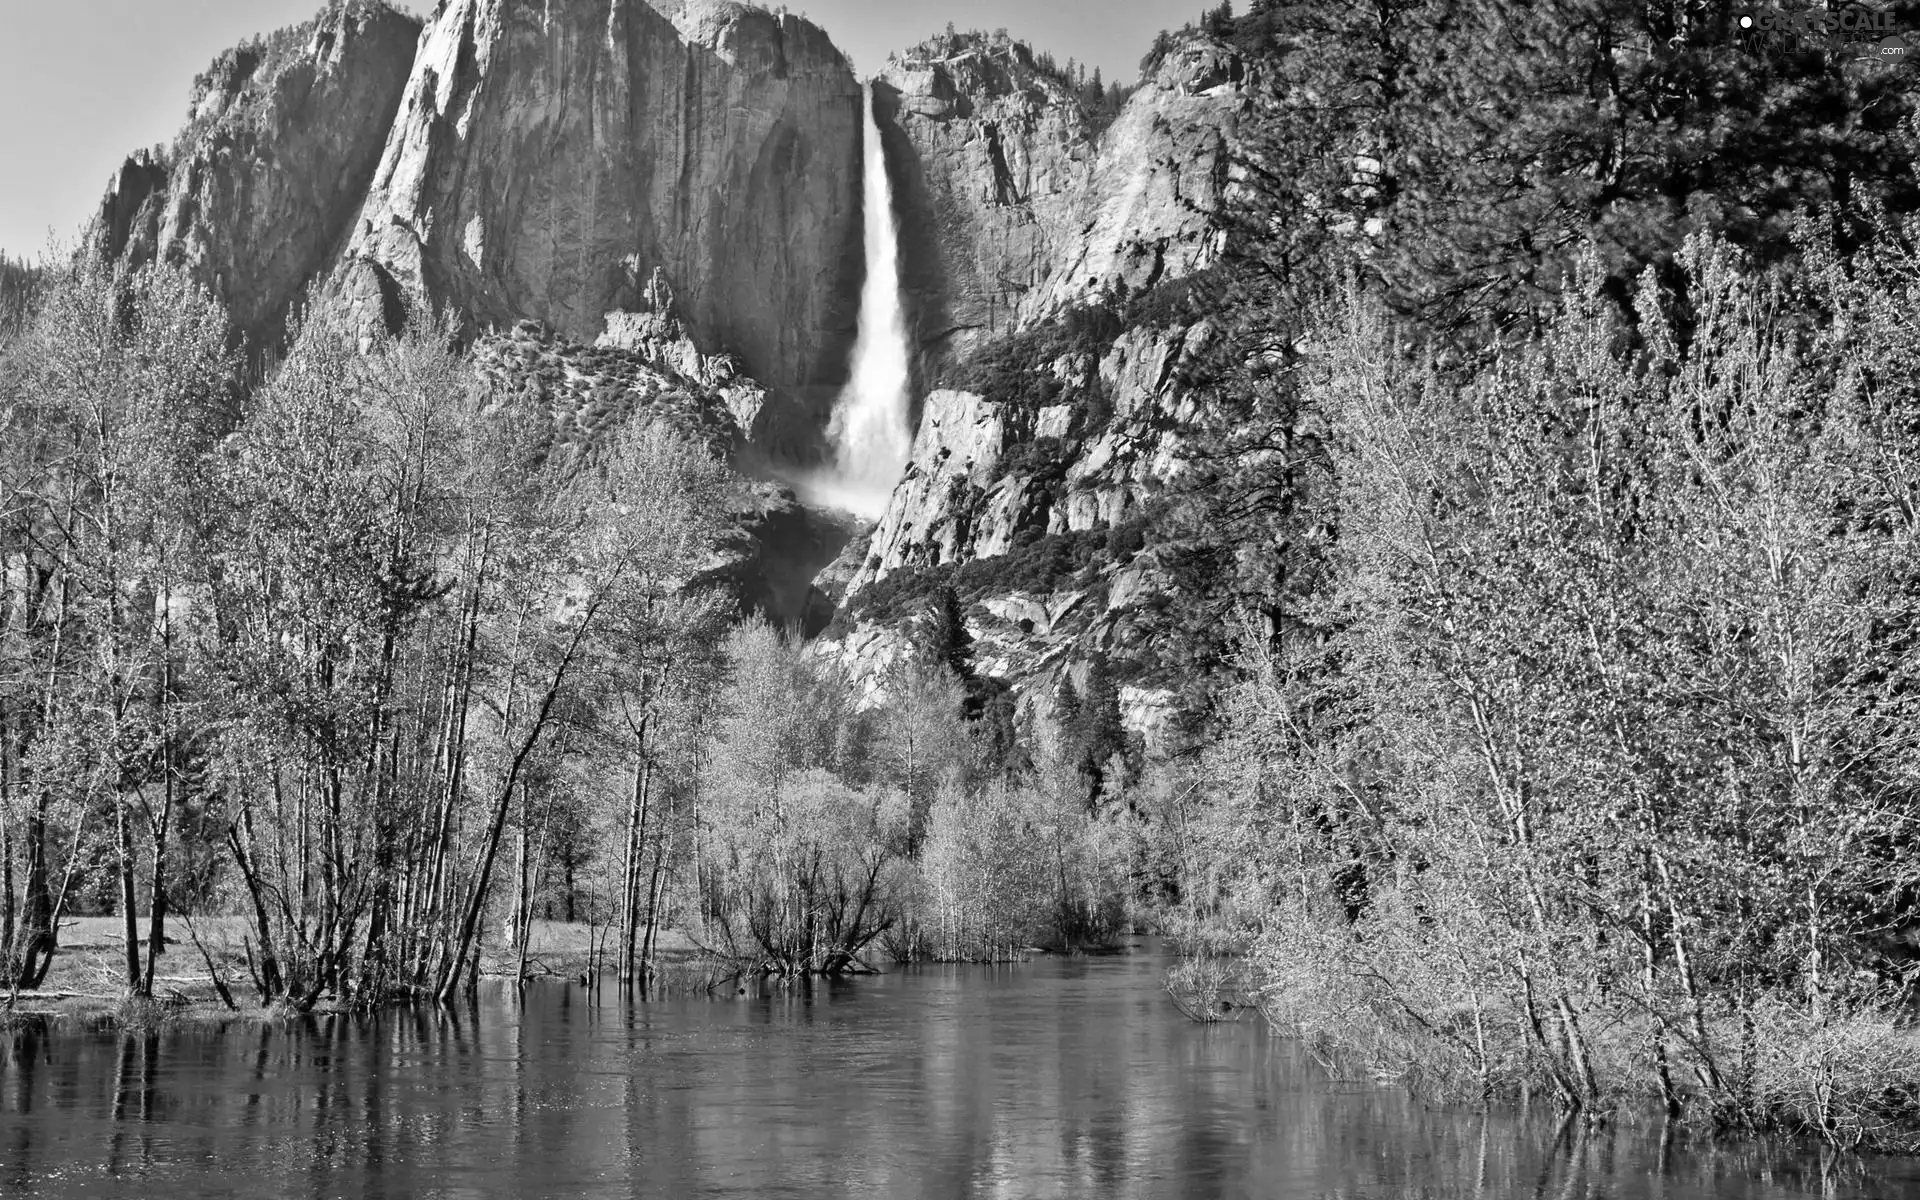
868,434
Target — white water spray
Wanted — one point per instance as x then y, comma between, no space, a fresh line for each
869,433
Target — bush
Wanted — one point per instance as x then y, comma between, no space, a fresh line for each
1038,563
1044,460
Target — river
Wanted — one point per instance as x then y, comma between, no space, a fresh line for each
1057,1078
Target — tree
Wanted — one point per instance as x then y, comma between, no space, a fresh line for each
1099,737
1569,798
921,738
806,867
942,638
123,384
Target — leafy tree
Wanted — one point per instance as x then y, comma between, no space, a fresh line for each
1601,757
120,387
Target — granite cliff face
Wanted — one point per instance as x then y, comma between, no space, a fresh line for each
550,156
1036,517
260,189
542,160
1163,174
1014,207
992,156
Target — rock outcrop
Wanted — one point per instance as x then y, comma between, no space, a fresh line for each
992,156
1014,207
551,155
1035,515
658,335
586,395
282,138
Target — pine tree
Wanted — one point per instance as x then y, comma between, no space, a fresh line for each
1066,705
944,639
1100,735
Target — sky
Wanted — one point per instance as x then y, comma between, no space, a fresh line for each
85,82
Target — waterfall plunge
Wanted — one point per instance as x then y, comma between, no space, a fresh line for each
869,433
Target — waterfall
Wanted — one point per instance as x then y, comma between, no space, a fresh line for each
869,433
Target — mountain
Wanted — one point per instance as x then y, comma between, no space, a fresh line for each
261,187
1106,291
527,161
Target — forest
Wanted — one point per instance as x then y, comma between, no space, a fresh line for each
375,665
1548,573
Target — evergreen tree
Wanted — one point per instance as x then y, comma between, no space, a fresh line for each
1097,734
996,736
944,639
1066,705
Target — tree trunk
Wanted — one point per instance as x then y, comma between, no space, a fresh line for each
464,943
655,885
9,916
636,846
157,894
268,977
39,928
129,921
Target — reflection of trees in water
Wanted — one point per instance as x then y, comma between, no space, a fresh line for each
1051,1079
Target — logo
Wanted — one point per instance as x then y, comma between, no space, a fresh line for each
1857,32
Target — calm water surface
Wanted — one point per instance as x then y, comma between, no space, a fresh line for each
1060,1078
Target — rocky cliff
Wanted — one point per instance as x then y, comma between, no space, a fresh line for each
991,156
1014,207
550,156
1041,250
1036,516
542,160
282,137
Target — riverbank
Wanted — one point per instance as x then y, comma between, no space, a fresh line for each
87,982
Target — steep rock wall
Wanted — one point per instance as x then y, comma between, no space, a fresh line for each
1014,207
990,159
1163,175
282,138
550,155
1035,516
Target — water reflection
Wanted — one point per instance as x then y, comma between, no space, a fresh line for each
1057,1079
